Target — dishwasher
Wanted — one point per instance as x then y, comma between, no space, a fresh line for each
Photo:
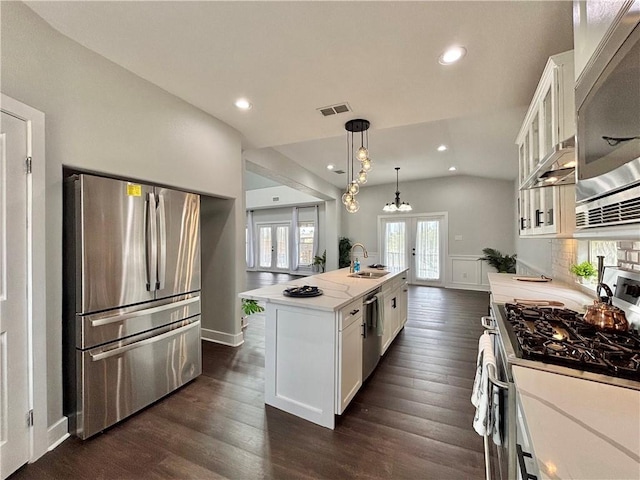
370,335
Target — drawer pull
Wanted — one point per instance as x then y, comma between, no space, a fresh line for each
353,312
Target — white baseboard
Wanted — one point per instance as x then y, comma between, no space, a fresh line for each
222,337
57,433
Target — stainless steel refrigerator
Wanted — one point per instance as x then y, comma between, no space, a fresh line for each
131,297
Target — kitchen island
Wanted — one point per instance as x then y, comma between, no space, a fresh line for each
314,346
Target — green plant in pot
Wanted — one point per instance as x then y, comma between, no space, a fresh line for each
249,307
502,263
320,261
585,271
344,251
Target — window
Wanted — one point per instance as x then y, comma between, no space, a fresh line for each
395,244
305,243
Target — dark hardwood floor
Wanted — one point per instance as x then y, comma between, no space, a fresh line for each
411,420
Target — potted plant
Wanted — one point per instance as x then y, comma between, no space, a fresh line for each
502,263
249,307
344,251
585,271
319,262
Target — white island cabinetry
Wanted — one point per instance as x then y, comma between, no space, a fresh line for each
349,354
313,346
394,294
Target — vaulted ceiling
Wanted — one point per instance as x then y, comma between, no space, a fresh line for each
291,58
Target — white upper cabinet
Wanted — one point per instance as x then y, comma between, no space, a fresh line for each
547,154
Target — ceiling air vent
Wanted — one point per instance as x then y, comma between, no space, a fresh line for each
339,172
334,109
275,199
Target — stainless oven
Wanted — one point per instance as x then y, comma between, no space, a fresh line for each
608,129
511,457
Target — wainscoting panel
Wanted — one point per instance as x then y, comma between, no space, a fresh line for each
468,273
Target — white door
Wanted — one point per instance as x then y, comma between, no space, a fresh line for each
14,372
273,247
417,243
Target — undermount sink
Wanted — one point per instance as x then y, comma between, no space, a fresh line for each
369,274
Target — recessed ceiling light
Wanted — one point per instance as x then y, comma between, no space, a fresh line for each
452,169
243,104
442,148
452,55
330,167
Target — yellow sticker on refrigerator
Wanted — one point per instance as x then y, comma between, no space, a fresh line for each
134,190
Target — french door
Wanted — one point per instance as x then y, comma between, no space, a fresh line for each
415,242
273,247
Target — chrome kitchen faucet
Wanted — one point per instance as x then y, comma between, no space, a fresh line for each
366,255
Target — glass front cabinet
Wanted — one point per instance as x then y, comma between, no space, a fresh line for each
548,210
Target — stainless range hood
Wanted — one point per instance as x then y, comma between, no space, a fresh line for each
557,168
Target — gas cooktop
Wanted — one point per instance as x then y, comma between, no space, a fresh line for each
560,336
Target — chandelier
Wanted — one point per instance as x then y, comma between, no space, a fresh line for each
362,155
397,206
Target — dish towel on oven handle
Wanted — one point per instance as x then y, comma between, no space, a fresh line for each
482,393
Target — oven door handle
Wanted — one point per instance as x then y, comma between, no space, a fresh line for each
487,322
493,378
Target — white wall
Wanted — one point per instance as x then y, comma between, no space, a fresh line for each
102,118
480,210
264,197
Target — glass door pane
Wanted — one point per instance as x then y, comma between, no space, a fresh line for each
265,247
427,250
282,247
548,123
395,241
535,142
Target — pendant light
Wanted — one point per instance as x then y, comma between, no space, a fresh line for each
362,155
397,205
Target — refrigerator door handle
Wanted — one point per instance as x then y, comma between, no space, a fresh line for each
120,350
151,243
162,242
141,313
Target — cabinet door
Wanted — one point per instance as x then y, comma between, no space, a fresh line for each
526,223
403,299
549,111
534,143
350,358
388,320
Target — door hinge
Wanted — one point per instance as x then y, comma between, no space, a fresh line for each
28,163
30,418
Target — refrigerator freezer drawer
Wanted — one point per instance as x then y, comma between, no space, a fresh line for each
100,328
117,380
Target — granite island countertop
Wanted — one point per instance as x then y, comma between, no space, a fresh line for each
337,286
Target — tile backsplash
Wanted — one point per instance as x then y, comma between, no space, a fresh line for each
564,252
629,255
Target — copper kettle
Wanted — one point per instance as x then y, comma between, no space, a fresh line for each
604,315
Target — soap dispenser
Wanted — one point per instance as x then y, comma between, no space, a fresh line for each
356,266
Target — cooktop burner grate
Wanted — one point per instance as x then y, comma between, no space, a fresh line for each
560,336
